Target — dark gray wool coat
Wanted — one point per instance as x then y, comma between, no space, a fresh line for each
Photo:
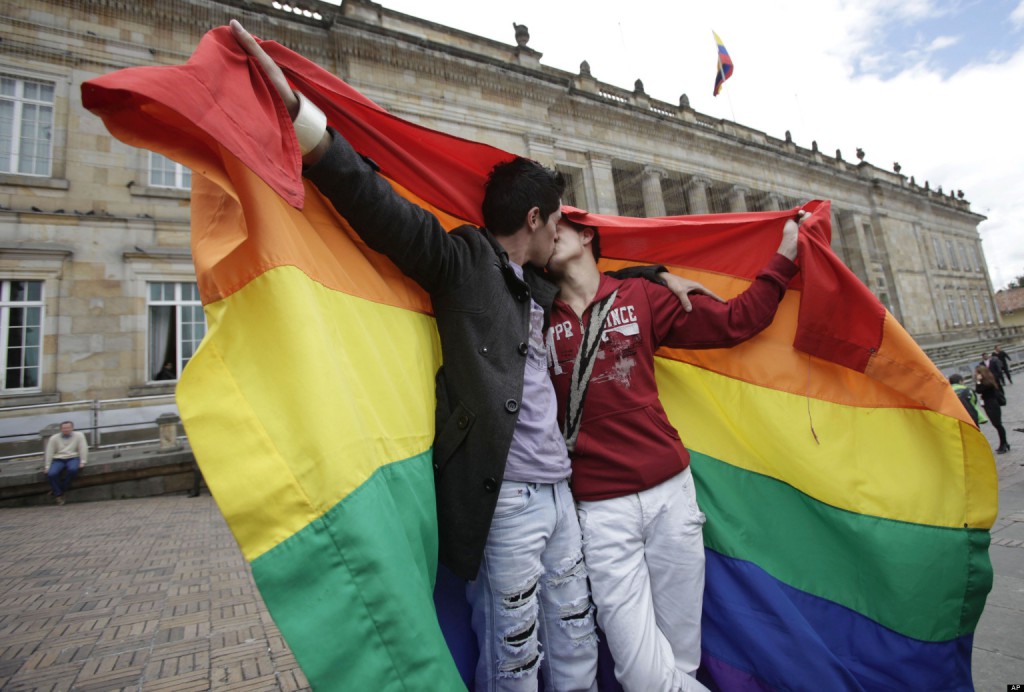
482,310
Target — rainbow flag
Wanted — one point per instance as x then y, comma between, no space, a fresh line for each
847,492
724,65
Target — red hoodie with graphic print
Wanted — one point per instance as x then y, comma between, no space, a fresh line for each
626,443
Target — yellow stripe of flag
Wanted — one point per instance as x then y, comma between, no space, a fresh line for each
898,463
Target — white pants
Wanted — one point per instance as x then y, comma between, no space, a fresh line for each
645,556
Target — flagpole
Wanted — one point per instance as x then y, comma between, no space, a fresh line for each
728,96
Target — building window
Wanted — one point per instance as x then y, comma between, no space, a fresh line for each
953,263
26,126
988,308
968,317
965,251
176,326
674,195
953,314
869,238
574,194
940,258
166,173
628,192
718,199
21,334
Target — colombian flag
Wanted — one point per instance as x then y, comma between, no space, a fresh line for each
847,492
724,65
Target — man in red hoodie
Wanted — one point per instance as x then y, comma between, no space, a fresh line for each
642,538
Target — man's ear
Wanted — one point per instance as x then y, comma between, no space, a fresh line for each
533,219
586,236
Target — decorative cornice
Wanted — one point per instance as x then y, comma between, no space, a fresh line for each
162,253
36,251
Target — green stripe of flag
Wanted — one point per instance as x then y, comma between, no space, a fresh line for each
357,585
924,582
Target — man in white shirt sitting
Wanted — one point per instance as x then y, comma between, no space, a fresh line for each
66,451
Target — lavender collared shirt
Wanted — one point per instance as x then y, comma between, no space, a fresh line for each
537,453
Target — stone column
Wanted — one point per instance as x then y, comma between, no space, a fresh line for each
857,255
604,184
168,424
773,201
654,200
738,198
697,194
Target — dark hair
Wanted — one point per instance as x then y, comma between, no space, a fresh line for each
986,375
67,422
514,188
595,242
955,379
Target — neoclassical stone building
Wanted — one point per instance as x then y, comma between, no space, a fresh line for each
98,290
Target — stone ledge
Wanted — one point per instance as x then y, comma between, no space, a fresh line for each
140,472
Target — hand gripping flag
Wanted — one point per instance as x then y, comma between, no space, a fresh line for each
724,65
847,492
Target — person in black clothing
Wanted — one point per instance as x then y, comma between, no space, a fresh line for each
166,373
991,392
994,365
1004,360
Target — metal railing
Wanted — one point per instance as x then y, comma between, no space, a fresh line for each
107,423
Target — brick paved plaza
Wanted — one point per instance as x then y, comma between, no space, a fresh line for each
148,594
153,594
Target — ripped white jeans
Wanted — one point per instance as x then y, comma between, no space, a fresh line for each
530,601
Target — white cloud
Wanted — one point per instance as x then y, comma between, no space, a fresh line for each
940,42
1017,16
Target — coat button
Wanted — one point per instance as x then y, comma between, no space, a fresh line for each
437,466
522,296
483,350
523,349
511,405
463,421
490,485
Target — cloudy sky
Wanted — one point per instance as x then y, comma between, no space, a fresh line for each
931,84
